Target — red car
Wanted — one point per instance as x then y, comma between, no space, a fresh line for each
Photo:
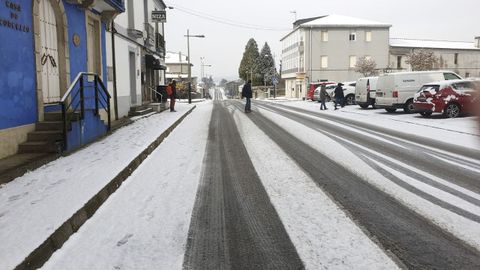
313,86
451,98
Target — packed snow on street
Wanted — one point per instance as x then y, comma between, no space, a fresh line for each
147,222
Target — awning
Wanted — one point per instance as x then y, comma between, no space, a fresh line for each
152,62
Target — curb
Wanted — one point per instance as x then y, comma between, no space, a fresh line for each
55,241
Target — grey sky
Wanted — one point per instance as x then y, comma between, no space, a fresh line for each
224,45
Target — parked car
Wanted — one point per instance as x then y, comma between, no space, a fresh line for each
451,98
396,90
311,89
348,92
329,86
365,91
313,86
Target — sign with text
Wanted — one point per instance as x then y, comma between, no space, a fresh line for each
159,16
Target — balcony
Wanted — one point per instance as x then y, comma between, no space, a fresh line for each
108,9
160,44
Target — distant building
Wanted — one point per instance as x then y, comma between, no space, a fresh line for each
232,88
461,57
327,48
177,69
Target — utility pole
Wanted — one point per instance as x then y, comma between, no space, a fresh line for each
189,66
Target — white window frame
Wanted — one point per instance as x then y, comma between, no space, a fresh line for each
324,35
324,61
368,36
353,61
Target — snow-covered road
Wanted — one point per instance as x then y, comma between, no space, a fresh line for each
284,187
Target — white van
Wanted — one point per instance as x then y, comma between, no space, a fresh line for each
365,91
396,90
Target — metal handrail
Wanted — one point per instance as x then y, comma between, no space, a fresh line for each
161,96
101,96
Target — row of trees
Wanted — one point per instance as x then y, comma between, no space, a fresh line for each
418,60
257,66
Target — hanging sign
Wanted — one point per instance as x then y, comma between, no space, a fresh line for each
159,16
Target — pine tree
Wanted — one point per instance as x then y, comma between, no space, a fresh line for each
266,65
249,65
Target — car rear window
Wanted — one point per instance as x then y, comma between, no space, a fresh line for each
429,88
450,76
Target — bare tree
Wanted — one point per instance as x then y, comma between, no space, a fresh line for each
366,66
422,60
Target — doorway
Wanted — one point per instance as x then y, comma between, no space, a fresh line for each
133,81
50,76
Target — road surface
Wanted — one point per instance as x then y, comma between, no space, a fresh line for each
402,200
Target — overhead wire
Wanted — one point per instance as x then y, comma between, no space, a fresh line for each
226,21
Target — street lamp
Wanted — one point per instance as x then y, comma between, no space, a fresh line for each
188,36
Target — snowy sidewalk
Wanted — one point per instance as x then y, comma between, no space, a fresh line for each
27,217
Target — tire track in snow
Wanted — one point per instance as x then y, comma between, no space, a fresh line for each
234,225
412,238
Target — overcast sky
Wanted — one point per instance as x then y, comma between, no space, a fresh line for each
224,44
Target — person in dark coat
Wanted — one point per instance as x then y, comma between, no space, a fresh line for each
339,96
173,96
323,96
247,93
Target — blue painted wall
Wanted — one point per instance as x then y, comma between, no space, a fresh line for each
18,98
76,25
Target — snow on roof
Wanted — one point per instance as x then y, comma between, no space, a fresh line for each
434,44
175,58
340,20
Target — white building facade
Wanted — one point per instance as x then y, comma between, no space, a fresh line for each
139,53
461,57
327,48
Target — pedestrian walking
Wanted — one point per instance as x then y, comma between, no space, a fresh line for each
323,97
172,93
247,94
339,96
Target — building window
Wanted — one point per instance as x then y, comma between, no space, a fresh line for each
109,73
353,61
368,36
324,61
399,62
131,12
455,60
324,36
467,74
352,37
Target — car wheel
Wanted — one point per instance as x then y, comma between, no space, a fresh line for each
426,113
390,110
409,108
363,106
350,100
451,111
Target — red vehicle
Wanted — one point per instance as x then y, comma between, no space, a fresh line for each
313,86
451,98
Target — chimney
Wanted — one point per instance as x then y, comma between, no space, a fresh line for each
477,42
